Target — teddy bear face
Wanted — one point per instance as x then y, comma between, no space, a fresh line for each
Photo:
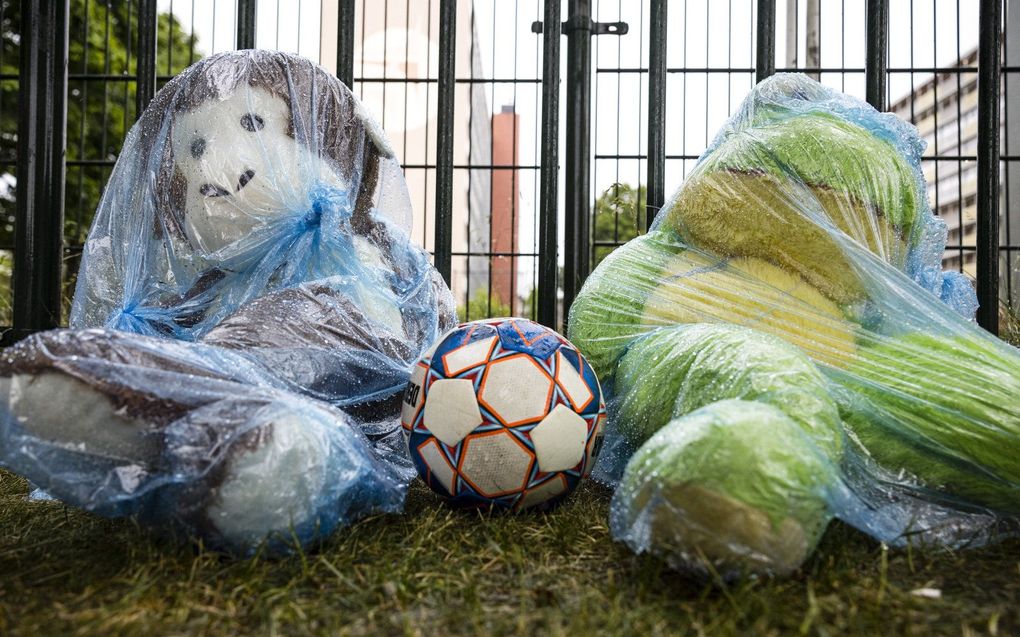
243,167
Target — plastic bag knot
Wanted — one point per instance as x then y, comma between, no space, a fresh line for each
131,318
329,204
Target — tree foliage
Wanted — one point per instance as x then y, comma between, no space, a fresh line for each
617,215
103,43
482,305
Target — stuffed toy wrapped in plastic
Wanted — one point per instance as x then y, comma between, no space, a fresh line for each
248,309
782,348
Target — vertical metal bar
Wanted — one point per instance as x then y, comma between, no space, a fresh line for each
765,53
877,45
576,210
428,129
407,65
42,144
535,300
548,186
361,68
145,66
386,54
617,127
959,135
1011,119
812,44
990,18
345,43
491,261
683,87
83,106
614,131
125,111
170,38
791,34
468,287
842,46
444,137
276,36
638,222
708,78
246,24
513,180
656,194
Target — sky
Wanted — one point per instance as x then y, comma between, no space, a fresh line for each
700,34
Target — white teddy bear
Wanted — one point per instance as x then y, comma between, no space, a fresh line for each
247,303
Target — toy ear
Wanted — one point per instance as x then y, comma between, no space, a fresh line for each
362,221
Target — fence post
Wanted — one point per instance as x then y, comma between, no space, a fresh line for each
548,222
765,53
656,193
245,24
989,79
345,43
577,209
443,245
877,45
42,144
145,66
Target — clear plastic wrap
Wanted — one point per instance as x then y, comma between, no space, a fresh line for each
188,438
731,487
255,307
805,223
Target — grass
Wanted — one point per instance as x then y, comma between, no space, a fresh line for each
439,571
1009,323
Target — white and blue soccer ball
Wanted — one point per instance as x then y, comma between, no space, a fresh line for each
503,412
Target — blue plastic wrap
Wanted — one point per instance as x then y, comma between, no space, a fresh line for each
798,269
256,306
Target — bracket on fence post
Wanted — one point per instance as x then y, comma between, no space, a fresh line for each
596,28
579,28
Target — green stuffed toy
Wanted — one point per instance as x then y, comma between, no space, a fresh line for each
741,203
782,348
659,269
730,488
674,370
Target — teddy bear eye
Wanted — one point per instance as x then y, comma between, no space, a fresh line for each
198,147
252,122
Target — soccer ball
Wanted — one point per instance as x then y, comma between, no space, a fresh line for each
503,412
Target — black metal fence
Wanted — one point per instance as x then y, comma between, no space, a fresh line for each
601,127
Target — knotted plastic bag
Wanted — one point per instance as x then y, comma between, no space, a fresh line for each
255,306
805,228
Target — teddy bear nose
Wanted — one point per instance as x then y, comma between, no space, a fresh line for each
198,147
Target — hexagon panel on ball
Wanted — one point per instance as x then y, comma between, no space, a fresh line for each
503,413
